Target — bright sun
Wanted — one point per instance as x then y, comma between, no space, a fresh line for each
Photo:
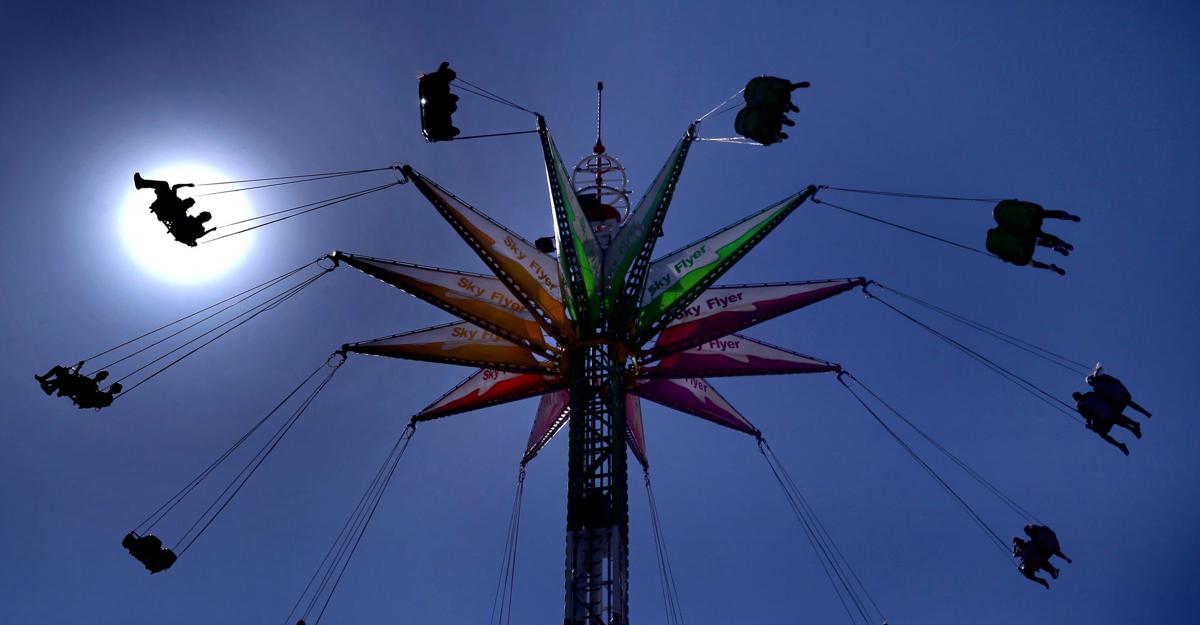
146,239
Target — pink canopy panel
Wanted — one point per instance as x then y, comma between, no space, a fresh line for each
735,355
635,432
552,415
723,310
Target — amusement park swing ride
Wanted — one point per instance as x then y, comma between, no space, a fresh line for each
593,324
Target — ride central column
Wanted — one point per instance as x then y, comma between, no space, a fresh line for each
597,566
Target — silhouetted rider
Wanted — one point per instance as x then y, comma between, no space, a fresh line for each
167,205
53,379
189,229
1101,417
1111,390
1032,561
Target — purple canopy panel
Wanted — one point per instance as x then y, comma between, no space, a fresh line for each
723,310
552,414
735,355
694,396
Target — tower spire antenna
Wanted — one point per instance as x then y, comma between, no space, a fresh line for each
599,181
599,148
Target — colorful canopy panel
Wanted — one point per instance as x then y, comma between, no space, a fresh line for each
518,325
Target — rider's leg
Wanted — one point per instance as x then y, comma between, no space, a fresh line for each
1052,267
1055,214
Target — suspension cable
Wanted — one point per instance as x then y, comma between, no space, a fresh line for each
949,490
498,98
666,574
344,196
502,600
240,479
495,134
819,525
731,140
364,512
298,180
261,285
351,521
727,109
1041,394
241,297
483,95
833,563
714,109
245,317
488,95
905,228
322,204
1058,359
251,467
295,177
147,524
990,200
259,308
984,482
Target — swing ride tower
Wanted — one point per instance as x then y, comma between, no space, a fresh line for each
597,544
592,324
597,558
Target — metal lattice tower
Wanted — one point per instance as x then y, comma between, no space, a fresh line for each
597,566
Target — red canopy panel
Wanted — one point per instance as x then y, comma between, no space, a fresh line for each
735,355
723,310
458,343
531,275
489,387
697,397
482,300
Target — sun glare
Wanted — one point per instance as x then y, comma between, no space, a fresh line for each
147,241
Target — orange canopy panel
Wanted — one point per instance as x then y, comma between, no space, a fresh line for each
531,275
480,299
458,343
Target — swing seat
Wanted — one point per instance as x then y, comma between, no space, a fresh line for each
149,551
757,126
1010,247
1112,390
1018,216
771,92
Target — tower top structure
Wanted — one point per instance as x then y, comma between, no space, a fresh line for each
600,182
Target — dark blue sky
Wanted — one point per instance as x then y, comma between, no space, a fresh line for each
1088,107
